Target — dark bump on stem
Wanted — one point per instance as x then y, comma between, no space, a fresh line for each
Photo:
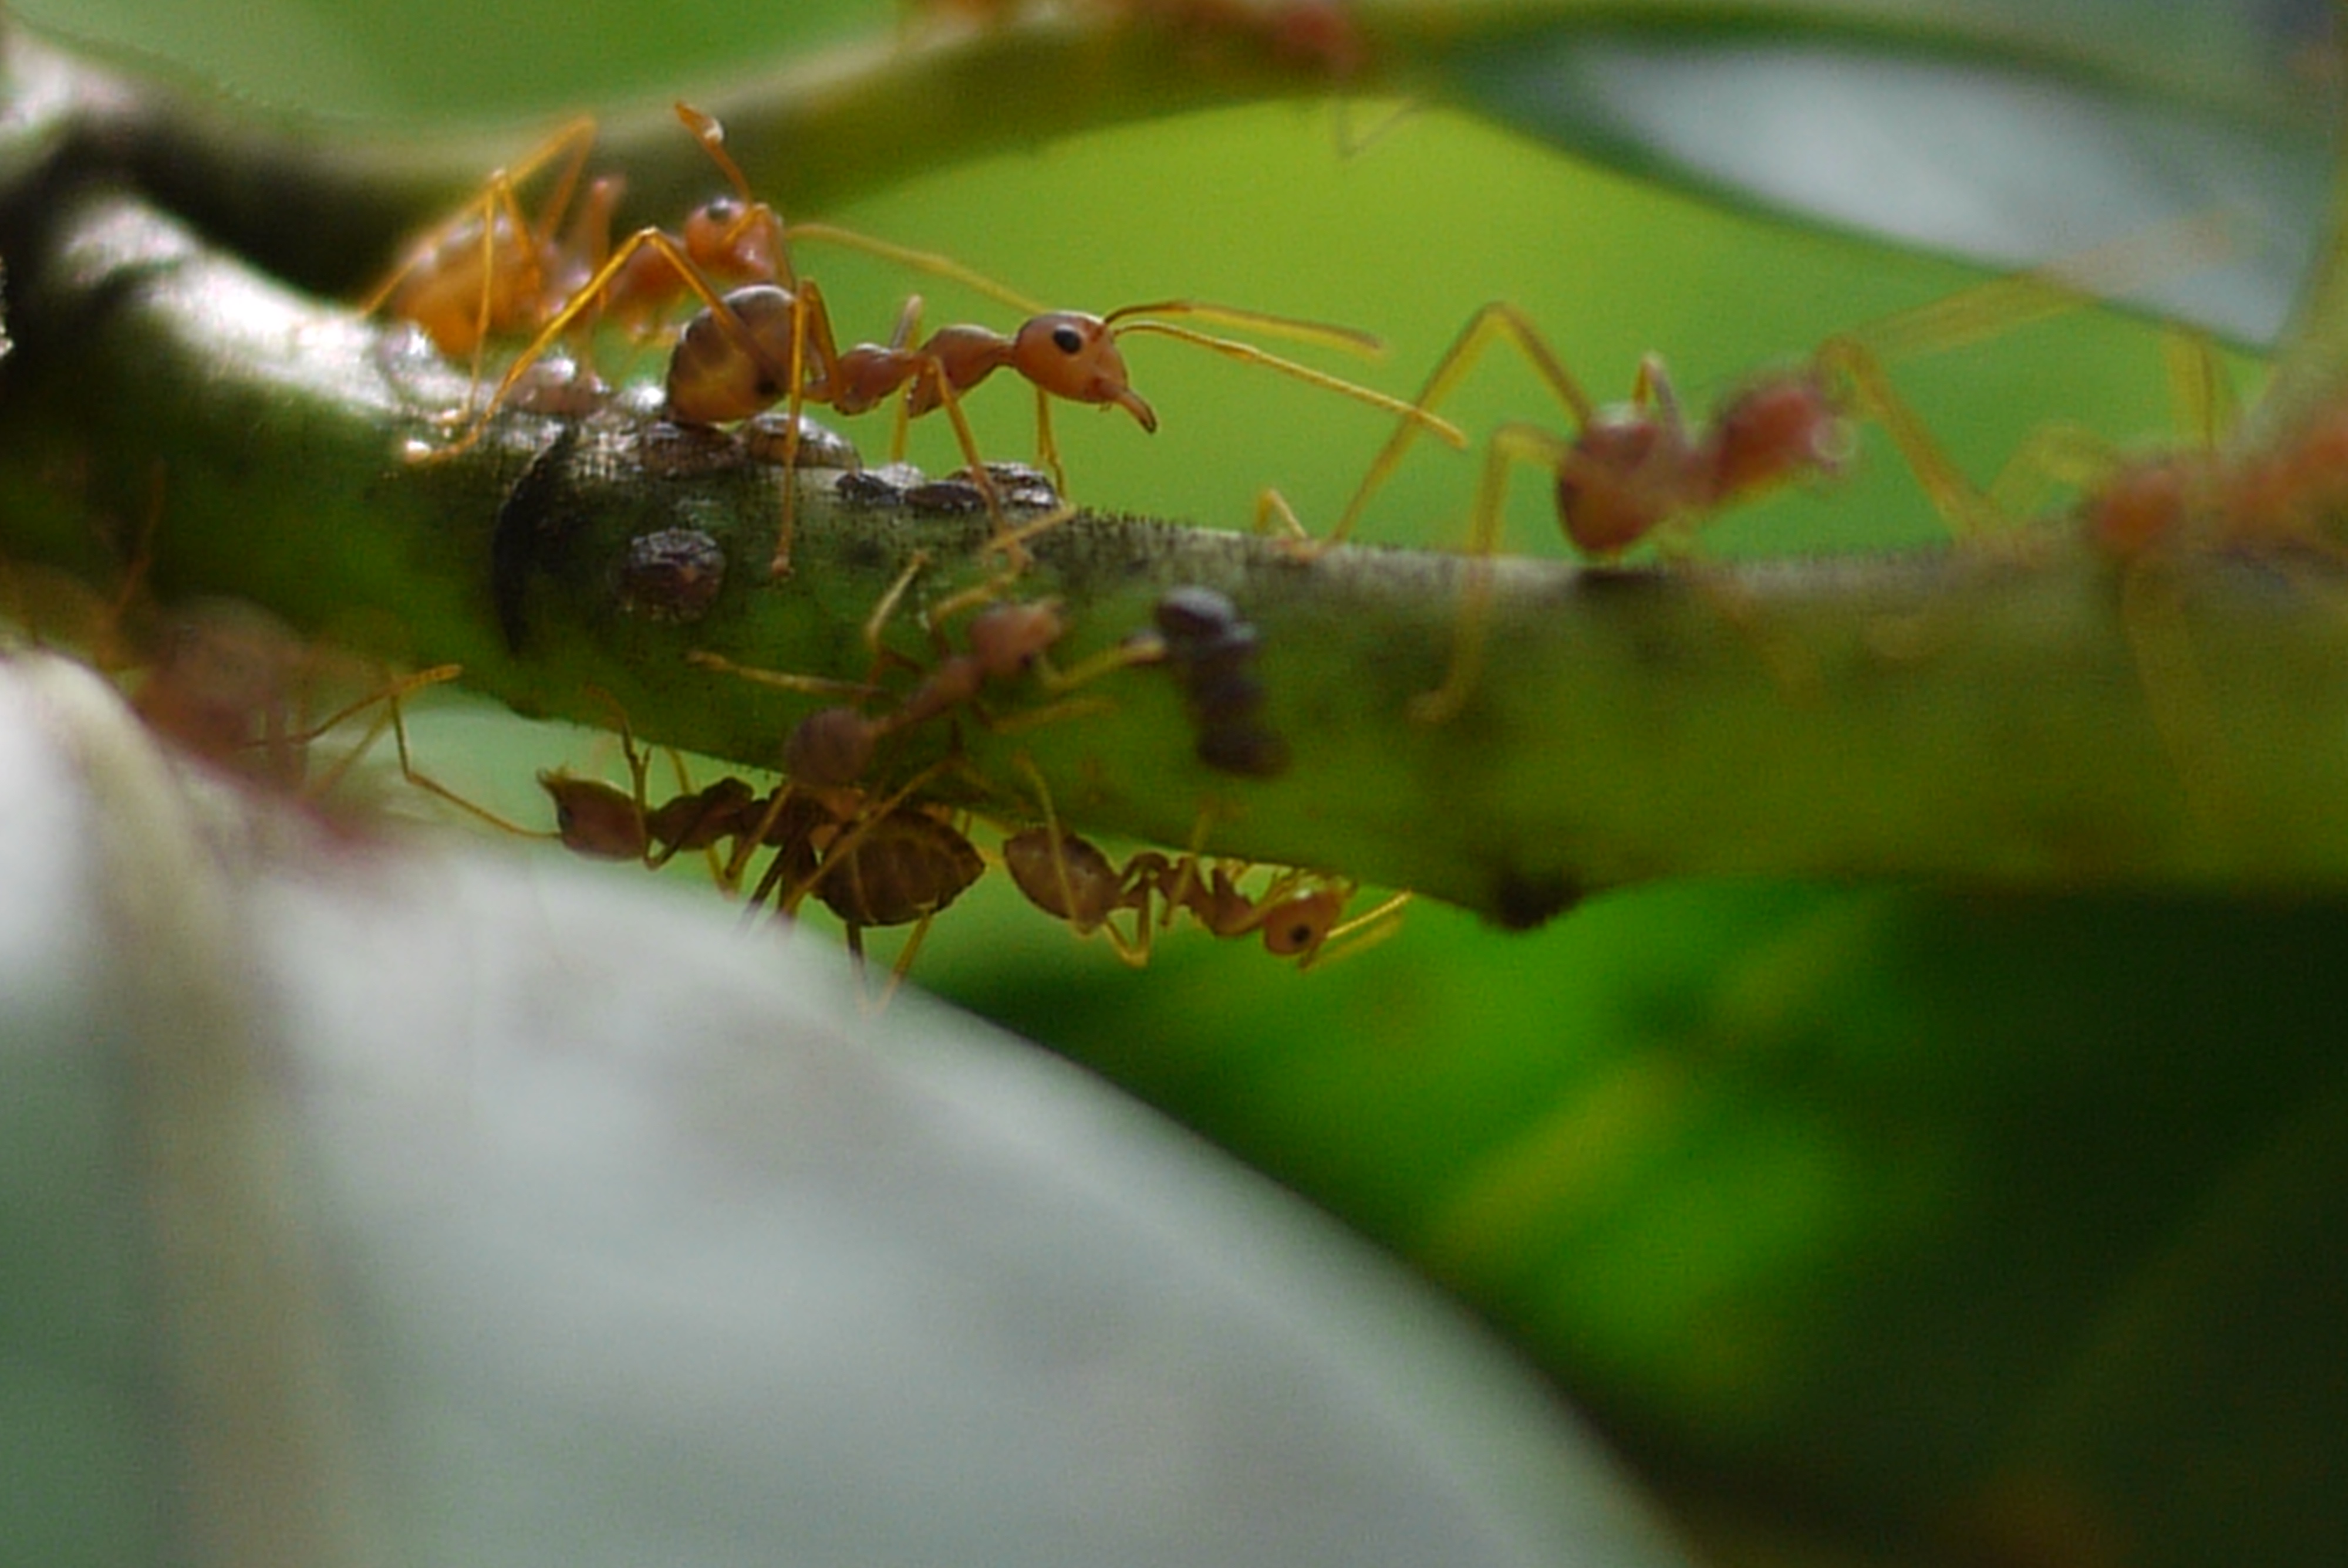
1522,900
532,524
673,574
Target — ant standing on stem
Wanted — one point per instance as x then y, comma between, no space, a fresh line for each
1631,471
771,340
1298,914
489,271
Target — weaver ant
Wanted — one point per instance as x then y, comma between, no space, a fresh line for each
832,748
885,865
489,271
771,340
1297,915
1632,471
233,688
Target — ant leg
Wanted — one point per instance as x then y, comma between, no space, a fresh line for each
1499,319
1047,449
1134,952
810,333
930,261
1968,513
1358,935
885,607
898,970
1007,538
858,692
577,308
2098,274
1511,443
2199,388
1270,504
2062,453
393,718
909,326
808,685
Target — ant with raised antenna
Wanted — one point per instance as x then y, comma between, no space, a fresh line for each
1633,470
772,341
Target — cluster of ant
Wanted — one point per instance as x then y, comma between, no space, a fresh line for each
895,859
761,334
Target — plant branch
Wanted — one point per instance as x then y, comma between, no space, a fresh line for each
2031,719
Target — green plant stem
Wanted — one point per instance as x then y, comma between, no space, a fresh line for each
2024,718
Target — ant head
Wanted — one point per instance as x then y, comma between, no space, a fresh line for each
1006,638
735,241
1296,927
1072,355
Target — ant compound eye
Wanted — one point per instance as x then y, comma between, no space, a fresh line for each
1067,340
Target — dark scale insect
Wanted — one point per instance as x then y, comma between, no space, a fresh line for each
1213,652
833,747
674,574
777,438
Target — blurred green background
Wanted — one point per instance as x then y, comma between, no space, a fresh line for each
1879,1225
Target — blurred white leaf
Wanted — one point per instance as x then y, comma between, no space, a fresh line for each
399,1204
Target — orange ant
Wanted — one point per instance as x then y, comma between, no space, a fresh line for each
771,340
233,688
890,863
491,271
1298,915
1632,471
832,748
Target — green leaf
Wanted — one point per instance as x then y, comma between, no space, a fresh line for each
2006,134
